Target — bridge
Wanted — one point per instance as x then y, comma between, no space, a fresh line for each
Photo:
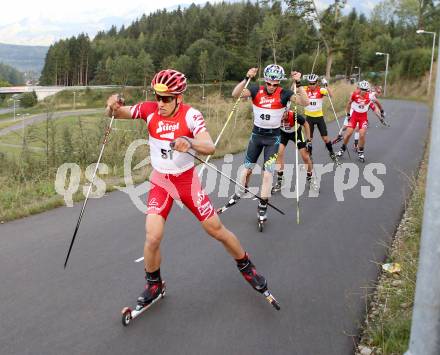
45,91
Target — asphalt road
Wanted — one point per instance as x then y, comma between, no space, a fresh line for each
319,270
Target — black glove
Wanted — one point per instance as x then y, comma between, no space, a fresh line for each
348,116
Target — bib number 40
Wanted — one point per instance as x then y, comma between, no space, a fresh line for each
265,117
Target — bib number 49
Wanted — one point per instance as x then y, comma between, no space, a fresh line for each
166,153
265,117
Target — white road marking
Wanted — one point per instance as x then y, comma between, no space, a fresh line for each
139,260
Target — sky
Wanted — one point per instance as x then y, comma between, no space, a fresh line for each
43,22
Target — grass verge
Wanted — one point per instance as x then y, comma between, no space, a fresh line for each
387,326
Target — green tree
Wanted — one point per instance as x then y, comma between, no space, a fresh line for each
203,65
28,99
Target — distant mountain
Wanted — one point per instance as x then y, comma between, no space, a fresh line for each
23,58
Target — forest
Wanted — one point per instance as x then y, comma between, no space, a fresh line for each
219,42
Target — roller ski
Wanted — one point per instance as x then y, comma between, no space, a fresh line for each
257,281
153,293
262,216
232,201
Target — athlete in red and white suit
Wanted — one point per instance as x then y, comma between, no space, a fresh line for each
359,104
174,176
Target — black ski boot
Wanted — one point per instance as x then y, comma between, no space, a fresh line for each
341,151
247,269
153,288
232,201
278,184
361,155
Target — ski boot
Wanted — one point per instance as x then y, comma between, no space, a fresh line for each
277,186
232,201
355,145
262,215
361,156
312,183
256,280
340,152
334,158
153,290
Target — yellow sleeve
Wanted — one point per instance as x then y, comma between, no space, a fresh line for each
324,91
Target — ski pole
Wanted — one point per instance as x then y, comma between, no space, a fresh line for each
296,155
227,121
337,120
172,144
106,135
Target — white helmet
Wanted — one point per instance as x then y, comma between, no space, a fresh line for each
312,78
273,72
364,85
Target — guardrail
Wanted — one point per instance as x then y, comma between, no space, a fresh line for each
425,327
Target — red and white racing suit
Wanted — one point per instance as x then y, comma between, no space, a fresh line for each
359,110
174,176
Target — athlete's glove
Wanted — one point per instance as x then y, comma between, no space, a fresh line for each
348,116
324,82
309,145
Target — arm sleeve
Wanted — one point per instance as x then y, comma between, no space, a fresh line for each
285,96
253,90
195,121
143,109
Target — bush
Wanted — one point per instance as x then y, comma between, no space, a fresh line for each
28,99
415,62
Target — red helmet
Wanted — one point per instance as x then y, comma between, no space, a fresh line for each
169,81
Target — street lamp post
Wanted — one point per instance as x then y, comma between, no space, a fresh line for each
359,72
14,105
386,71
432,55
203,92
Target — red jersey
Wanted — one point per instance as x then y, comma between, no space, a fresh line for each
162,130
361,104
268,109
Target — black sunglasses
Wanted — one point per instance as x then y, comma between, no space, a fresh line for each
274,85
164,99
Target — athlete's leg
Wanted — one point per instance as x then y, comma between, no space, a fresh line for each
154,233
311,123
215,228
218,231
279,168
159,203
306,159
348,134
279,165
253,151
